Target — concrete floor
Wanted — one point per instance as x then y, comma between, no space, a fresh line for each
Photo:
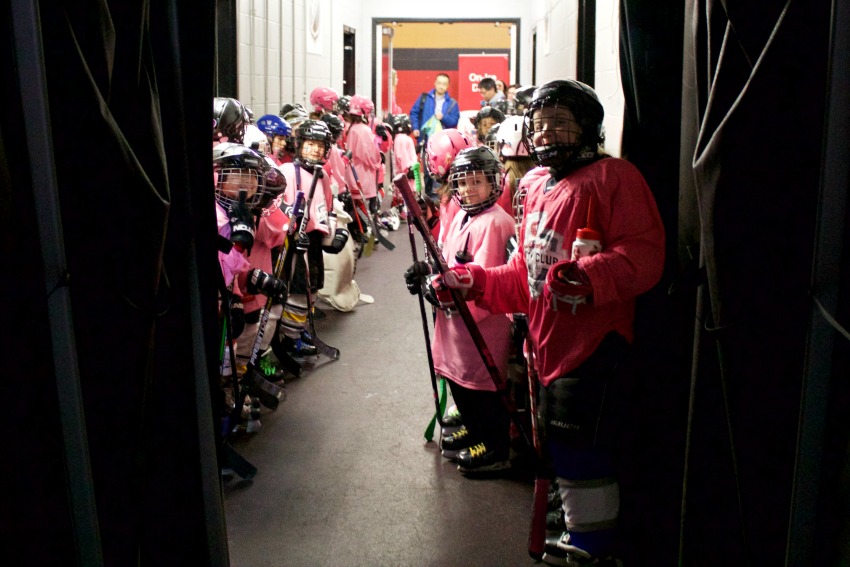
345,474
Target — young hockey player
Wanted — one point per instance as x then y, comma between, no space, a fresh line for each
324,100
313,143
360,142
515,158
478,233
229,120
404,148
277,130
580,305
442,148
486,118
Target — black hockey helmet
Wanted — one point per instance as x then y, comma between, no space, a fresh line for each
238,167
342,104
335,124
523,97
575,124
466,163
488,112
401,124
315,130
229,119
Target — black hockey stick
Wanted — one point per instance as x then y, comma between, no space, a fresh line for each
371,218
415,215
321,346
236,462
438,415
269,394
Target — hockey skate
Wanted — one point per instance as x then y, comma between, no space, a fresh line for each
453,444
451,421
478,459
559,551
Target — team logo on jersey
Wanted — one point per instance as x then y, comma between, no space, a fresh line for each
543,248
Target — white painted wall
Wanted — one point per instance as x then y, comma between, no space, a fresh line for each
274,66
608,85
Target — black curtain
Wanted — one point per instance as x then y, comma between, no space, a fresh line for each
653,453
129,86
754,84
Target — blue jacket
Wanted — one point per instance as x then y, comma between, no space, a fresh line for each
451,112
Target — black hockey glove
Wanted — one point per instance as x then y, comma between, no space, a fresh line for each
411,175
302,242
261,282
338,242
414,276
241,224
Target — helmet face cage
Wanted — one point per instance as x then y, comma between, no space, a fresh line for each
230,119
317,131
491,140
238,168
275,185
295,118
519,203
563,124
476,179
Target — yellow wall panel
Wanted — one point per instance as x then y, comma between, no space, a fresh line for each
473,35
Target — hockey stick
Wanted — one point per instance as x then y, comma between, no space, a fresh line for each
539,507
381,238
321,346
269,394
440,407
367,247
415,214
235,461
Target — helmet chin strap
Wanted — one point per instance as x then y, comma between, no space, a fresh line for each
579,158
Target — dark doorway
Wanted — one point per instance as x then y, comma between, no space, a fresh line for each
347,61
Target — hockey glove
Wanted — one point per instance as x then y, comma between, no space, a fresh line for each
338,242
241,224
261,282
568,282
470,279
414,277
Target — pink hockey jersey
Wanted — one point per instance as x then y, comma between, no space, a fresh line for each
317,216
404,153
335,169
365,157
270,233
455,354
630,263
234,263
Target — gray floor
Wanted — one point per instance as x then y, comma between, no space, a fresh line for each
345,474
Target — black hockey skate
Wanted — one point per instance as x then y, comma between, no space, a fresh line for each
559,551
453,444
478,459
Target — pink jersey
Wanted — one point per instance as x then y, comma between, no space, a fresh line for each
335,169
629,264
405,153
234,263
317,216
448,211
365,157
270,233
455,355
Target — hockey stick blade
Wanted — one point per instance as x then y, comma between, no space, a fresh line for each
239,464
369,246
537,533
381,238
269,394
326,349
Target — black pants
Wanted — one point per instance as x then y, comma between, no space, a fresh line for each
485,416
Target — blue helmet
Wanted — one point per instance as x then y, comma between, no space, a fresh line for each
273,125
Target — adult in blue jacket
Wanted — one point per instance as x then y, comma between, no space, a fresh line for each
435,102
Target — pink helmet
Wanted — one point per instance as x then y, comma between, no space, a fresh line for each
442,148
360,106
323,99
